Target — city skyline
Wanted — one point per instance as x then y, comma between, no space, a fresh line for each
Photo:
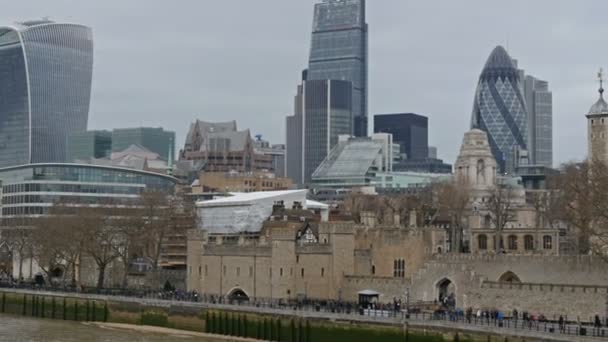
407,53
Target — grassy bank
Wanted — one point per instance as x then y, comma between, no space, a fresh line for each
227,323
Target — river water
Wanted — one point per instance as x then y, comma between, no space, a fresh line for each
14,328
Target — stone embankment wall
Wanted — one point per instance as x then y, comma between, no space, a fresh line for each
572,285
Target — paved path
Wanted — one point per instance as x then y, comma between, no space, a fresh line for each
396,321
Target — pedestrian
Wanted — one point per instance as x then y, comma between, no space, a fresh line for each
561,323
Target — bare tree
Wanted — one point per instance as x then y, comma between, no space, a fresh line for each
577,201
162,216
100,237
452,200
499,206
19,242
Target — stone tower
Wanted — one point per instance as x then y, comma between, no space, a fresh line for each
597,128
476,166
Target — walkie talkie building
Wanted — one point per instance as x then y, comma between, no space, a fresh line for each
45,89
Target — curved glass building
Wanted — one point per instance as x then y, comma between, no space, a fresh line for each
500,109
30,190
46,70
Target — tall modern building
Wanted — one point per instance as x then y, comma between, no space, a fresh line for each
500,109
339,51
46,70
89,144
539,102
154,139
322,113
409,130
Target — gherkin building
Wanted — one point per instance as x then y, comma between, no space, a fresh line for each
499,108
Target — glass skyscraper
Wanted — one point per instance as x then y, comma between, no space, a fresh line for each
539,102
45,88
499,108
339,51
82,146
154,139
322,113
409,130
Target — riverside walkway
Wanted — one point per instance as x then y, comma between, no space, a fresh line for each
545,331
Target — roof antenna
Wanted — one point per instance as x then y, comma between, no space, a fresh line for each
600,77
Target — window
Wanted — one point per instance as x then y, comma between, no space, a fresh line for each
512,240
206,270
200,270
224,270
281,271
302,273
399,268
251,271
238,271
373,269
547,242
322,272
528,242
482,242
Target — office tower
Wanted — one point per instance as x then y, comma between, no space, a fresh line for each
46,70
539,102
339,51
499,108
82,146
322,112
154,139
409,130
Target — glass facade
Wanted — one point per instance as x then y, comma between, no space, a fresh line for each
90,144
327,114
539,102
339,51
32,189
46,70
410,131
154,139
499,108
14,110
322,113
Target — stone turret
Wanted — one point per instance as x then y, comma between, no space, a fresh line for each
597,128
476,166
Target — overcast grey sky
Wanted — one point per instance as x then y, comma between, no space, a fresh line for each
167,63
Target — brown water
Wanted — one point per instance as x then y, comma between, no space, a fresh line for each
13,328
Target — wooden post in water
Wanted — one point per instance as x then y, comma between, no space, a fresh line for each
64,309
105,312
93,316
53,307
76,309
33,305
42,306
24,305
87,311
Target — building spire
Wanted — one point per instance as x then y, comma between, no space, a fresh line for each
600,77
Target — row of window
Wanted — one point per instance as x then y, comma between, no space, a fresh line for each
238,271
78,188
512,242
